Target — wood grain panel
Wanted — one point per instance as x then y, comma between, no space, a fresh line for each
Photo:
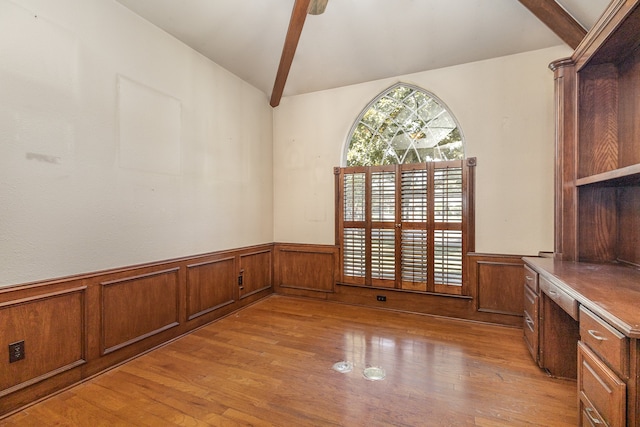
598,125
307,267
628,123
52,327
296,22
608,39
559,336
498,280
210,285
557,19
629,225
565,168
256,271
598,219
134,308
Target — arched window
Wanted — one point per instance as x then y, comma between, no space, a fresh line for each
404,216
404,124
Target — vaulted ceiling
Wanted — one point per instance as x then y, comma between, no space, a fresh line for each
356,41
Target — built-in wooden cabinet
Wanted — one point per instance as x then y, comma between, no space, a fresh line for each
598,142
599,344
590,291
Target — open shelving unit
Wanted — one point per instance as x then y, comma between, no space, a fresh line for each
598,142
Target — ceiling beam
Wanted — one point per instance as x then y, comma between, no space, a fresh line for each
557,19
298,16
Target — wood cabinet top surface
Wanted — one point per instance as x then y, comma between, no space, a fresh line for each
611,291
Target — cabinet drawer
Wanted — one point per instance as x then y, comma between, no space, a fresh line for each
564,300
530,326
602,394
609,344
589,416
531,304
531,279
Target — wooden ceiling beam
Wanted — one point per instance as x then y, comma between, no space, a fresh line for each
298,16
557,19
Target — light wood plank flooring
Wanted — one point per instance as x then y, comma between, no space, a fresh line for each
271,364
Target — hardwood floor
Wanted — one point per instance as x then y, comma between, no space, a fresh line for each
271,364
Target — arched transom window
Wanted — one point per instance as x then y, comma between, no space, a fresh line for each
405,199
405,124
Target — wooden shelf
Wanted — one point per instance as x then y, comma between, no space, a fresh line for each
629,175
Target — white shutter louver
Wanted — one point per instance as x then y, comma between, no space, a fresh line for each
383,196
354,197
414,195
414,256
383,254
448,194
353,247
447,260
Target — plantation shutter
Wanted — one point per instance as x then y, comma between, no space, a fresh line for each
414,215
354,235
403,226
448,254
383,219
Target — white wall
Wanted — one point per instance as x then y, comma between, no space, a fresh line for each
119,145
505,108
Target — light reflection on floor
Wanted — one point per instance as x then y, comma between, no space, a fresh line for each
406,362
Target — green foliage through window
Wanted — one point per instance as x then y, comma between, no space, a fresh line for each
404,125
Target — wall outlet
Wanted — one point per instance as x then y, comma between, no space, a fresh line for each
16,351
381,298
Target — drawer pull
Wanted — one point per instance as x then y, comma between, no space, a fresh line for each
595,334
593,419
529,322
553,293
528,277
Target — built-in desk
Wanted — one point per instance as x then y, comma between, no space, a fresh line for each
587,321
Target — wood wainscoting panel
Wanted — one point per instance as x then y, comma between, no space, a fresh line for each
210,285
137,307
255,272
497,281
79,326
306,268
52,327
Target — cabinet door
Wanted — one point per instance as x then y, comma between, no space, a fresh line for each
602,394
